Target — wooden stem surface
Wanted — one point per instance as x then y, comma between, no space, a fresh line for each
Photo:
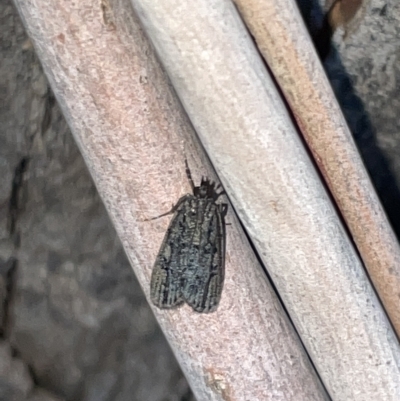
284,42
271,181
134,136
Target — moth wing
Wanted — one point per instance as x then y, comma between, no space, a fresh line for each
166,277
165,288
204,274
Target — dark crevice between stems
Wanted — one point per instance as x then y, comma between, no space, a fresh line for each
9,274
15,206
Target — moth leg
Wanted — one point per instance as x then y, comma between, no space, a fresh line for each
218,194
223,207
172,210
162,215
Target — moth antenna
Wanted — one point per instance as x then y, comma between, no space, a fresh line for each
189,174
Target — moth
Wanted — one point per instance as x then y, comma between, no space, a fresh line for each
191,262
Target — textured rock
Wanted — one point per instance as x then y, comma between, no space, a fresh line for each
70,306
15,380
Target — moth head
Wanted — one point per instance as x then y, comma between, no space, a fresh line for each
206,189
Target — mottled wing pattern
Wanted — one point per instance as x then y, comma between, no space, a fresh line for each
204,260
191,261
166,279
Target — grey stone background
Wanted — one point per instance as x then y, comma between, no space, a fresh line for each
74,324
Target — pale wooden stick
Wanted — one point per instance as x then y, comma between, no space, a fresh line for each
286,46
272,183
134,136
